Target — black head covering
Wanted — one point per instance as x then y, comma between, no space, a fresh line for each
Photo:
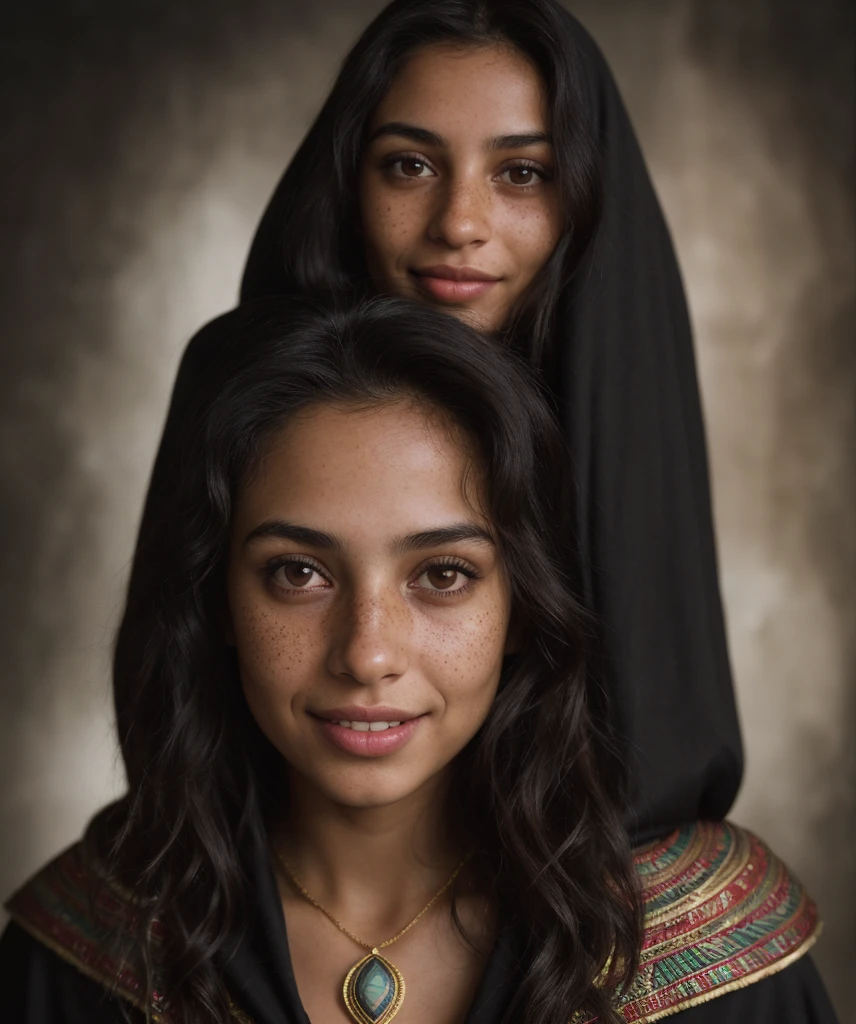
625,376
631,406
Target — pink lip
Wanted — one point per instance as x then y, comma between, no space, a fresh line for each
369,744
454,284
447,273
364,713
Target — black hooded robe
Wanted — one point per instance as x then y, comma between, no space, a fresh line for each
625,376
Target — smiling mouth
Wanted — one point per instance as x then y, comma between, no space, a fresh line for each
368,726
362,738
364,713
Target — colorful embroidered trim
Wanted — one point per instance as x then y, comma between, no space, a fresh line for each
721,912
88,924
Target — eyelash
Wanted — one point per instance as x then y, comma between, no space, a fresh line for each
543,174
450,563
270,569
398,158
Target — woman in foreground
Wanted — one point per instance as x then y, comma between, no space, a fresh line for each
371,769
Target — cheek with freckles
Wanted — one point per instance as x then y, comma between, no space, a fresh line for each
278,659
464,665
391,231
393,234
454,673
532,237
366,490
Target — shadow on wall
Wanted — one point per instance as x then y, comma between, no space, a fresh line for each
146,140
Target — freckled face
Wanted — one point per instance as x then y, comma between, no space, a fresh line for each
458,204
362,577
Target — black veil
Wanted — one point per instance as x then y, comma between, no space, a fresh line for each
634,421
624,373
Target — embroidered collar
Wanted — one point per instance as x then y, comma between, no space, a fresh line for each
721,912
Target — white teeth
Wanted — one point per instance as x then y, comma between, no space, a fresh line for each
369,726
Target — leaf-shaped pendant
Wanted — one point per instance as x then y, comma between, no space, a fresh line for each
373,990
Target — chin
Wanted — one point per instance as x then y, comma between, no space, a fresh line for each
370,796
479,320
372,786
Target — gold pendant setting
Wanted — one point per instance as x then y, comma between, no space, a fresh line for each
373,990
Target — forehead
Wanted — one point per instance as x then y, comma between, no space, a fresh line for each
378,470
452,88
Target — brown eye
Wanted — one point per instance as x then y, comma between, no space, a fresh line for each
445,579
413,168
521,175
298,575
442,577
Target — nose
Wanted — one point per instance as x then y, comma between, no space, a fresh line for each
462,215
370,638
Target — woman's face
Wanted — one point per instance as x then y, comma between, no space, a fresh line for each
458,204
368,605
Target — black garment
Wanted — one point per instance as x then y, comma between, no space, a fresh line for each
625,377
40,988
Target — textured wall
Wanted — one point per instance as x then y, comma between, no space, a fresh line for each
142,141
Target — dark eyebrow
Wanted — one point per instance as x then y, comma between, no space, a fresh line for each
409,131
291,531
412,542
520,141
443,535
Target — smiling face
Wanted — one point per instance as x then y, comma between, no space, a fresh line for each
364,589
458,203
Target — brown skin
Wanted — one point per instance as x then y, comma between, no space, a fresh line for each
370,623
472,196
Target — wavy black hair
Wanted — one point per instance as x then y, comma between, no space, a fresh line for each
309,241
538,786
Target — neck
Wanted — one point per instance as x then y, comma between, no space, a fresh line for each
367,863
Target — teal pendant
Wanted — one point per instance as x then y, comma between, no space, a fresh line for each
373,990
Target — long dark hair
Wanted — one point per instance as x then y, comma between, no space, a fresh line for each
310,242
538,786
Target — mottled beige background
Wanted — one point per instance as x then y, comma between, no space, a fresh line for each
142,141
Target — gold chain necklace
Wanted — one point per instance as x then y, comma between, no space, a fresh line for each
374,987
